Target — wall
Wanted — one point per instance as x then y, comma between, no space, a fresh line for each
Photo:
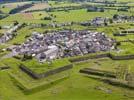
113,57
45,74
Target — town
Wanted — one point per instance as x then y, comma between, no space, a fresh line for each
66,50
64,44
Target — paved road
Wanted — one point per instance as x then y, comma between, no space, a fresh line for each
9,55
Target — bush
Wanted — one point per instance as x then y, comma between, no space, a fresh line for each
27,57
15,23
47,18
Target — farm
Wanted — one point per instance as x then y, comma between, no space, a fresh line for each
63,50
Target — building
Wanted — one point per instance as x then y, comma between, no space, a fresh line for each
50,54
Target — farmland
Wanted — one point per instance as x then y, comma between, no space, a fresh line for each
54,17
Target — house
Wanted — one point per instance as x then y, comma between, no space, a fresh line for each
64,44
85,23
49,54
99,21
9,34
120,18
95,9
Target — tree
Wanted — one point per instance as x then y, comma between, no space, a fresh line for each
16,23
110,21
115,16
26,57
47,18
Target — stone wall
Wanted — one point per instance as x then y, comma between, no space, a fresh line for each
125,57
4,68
107,77
45,74
113,57
28,71
98,72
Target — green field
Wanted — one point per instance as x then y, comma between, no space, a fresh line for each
75,87
40,68
68,85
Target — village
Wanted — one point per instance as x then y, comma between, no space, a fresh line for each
64,44
9,34
66,50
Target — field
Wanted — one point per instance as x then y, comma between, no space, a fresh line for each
62,4
67,85
8,6
38,6
70,88
39,68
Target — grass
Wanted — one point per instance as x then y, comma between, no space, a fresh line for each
77,86
40,68
6,10
61,16
2,31
127,48
40,15
23,33
70,16
29,85
62,4
20,18
20,38
83,15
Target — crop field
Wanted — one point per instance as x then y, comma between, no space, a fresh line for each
38,6
15,84
23,18
6,8
27,15
62,4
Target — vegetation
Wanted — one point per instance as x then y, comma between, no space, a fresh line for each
68,85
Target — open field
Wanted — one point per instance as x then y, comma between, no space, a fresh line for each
38,6
62,4
22,19
67,85
39,68
6,8
83,15
67,88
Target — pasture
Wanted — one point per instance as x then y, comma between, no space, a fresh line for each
14,83
37,6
